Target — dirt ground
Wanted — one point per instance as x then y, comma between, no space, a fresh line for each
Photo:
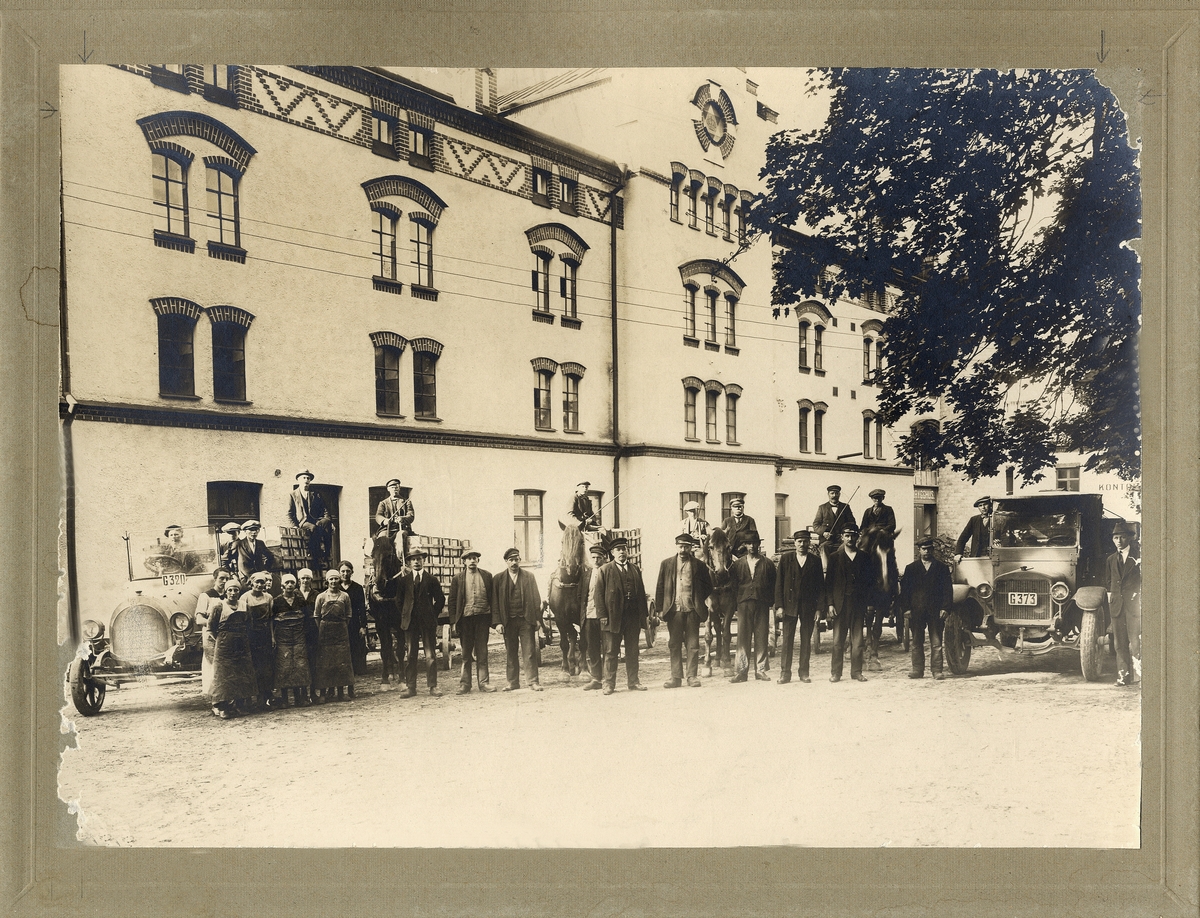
1017,752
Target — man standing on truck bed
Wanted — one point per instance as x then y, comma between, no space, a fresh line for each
977,532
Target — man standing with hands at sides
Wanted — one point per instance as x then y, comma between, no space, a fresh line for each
307,512
799,597
471,619
832,519
977,532
1125,605
848,583
357,625
683,587
591,638
737,524
926,593
753,580
517,607
395,514
421,602
621,605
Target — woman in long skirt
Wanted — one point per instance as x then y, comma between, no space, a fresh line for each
308,594
204,606
291,647
233,682
257,603
333,670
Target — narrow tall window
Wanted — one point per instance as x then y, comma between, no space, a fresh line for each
420,148
710,204
223,205
422,240
726,219
878,439
568,288
804,412
783,522
741,226
387,380
229,361
541,187
176,355
866,450
689,312
693,192
570,402
424,384
818,357
675,200
527,525
567,189
541,282
818,431
730,322
866,359
710,415
804,345
232,502
170,194
689,414
541,400
218,76
731,402
686,497
710,319
385,243
878,358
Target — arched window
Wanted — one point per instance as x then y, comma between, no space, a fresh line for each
176,346
693,194
224,179
384,230
388,348
229,326
541,280
730,320
810,315
868,418
804,327
721,283
170,173
689,310
732,395
878,438
568,287
549,242
866,360
541,400
387,196
691,390
819,427
818,354
422,258
710,316
426,352
806,409
710,415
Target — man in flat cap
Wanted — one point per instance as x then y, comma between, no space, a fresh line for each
517,608
926,594
800,598
581,513
395,516
591,638
1125,604
977,532
832,519
849,582
683,588
421,601
307,512
248,554
737,524
621,605
471,618
753,579
882,519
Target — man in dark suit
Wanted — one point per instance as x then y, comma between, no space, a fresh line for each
849,584
421,601
517,608
832,519
471,618
683,588
926,593
307,512
737,524
357,625
581,511
247,554
977,532
621,605
395,515
1124,604
753,579
799,597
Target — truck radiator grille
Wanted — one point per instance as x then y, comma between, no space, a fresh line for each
1006,612
139,633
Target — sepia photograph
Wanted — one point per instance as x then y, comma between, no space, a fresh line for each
442,429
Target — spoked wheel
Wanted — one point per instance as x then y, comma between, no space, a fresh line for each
86,693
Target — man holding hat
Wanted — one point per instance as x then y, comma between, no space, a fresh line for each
307,512
926,593
517,608
799,597
471,618
395,515
1125,604
849,583
581,511
591,638
621,605
753,579
737,525
977,532
683,588
247,555
832,519
421,600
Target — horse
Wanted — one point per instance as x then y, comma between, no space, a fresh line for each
884,593
381,603
717,556
565,597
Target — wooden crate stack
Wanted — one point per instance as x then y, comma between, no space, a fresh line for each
292,554
444,555
632,536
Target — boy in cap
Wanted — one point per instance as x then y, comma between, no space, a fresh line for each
693,525
517,607
926,593
753,580
683,588
471,618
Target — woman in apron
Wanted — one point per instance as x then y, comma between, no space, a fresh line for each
257,604
291,648
233,682
204,606
333,670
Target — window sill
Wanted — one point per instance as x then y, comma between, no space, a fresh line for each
430,418
387,285
165,240
578,433
819,372
569,209
805,451
384,149
694,226
712,233
544,429
417,161
803,369
731,349
711,346
423,293
713,442
690,341
545,317
178,397
677,220
727,238
231,401
392,417
571,322
169,79
541,200
692,439
732,443
220,96
226,252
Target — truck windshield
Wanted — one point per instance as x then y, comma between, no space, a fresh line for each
1012,528
175,550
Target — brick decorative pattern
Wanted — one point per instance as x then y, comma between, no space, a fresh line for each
182,152
693,382
230,314
176,305
191,124
571,368
558,233
544,363
426,346
713,269
397,186
813,308
225,161
388,339
287,100
546,318
226,252
733,389
484,167
711,385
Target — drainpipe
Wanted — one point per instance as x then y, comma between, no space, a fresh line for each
68,409
616,373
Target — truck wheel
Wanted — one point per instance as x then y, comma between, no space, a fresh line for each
956,639
87,694
1089,647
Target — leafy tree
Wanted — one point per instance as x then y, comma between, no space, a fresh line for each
1003,205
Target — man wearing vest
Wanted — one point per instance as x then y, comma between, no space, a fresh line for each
517,607
308,513
471,619
799,597
926,593
832,519
683,588
621,605
753,579
395,515
421,601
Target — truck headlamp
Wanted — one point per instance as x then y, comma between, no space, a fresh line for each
180,622
92,630
984,590
1059,591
